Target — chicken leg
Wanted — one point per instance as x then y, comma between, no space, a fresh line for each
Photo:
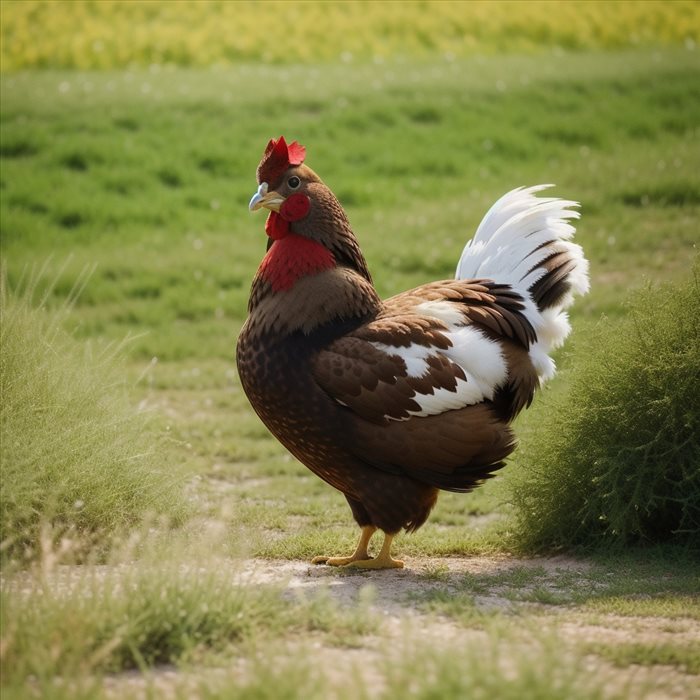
382,561
360,553
361,559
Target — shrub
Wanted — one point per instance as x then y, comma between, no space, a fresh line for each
617,459
77,461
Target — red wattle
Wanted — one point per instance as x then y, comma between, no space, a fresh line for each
292,257
295,207
276,227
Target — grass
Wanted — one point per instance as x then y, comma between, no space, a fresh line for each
479,672
665,605
79,463
89,624
618,460
145,618
685,657
160,597
110,34
84,625
661,585
474,671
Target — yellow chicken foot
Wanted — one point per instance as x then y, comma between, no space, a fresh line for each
360,553
382,561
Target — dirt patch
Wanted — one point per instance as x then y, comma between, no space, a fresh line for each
395,588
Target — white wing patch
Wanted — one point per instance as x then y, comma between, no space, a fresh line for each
480,359
414,357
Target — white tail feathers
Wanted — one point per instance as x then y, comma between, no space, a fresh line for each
524,241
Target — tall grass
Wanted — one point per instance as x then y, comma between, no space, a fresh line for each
617,459
78,461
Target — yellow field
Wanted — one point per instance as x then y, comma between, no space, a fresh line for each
108,34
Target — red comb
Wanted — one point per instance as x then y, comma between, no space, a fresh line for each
277,158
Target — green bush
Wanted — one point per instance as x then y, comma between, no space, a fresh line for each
617,458
78,461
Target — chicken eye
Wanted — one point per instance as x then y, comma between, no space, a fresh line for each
293,182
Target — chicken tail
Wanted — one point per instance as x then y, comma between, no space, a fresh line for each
524,241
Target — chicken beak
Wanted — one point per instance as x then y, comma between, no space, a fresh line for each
262,198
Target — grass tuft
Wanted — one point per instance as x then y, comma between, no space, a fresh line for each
685,656
135,618
78,461
669,606
617,458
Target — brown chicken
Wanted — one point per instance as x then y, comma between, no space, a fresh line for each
391,401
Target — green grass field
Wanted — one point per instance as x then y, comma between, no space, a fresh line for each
144,169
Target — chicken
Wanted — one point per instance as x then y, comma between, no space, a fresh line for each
391,401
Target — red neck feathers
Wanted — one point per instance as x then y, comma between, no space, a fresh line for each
292,257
